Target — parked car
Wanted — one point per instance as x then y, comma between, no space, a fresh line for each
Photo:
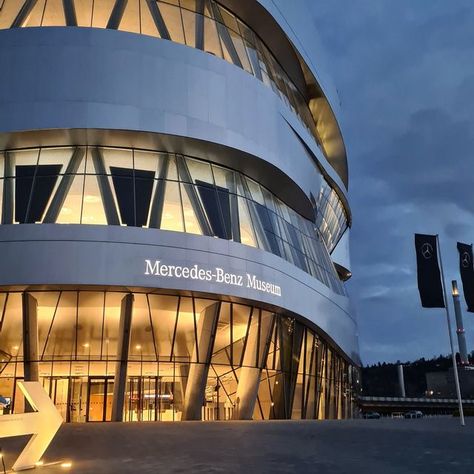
414,414
397,414
371,415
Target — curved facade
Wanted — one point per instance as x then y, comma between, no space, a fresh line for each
173,185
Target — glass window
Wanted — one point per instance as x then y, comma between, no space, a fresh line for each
8,12
189,22
131,17
185,337
172,216
147,24
216,206
36,15
222,344
118,158
53,14
101,12
172,170
122,179
164,315
255,191
144,184
83,12
142,341
224,178
92,207
199,171
240,328
172,18
11,328
61,157
113,303
32,195
149,161
247,235
212,44
90,324
191,221
61,342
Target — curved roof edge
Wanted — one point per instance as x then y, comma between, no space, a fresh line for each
325,104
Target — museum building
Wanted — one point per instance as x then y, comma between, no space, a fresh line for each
174,212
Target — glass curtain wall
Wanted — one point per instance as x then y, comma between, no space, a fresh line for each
201,24
331,218
128,187
298,375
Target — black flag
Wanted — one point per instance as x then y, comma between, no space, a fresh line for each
467,274
429,278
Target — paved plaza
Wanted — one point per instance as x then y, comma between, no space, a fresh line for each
386,446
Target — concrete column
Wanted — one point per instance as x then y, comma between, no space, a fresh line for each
197,378
30,341
123,346
256,352
291,338
30,338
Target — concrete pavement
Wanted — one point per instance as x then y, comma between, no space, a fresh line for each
386,446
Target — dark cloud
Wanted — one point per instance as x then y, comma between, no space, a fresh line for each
405,74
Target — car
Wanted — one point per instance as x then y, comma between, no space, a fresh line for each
371,415
414,414
397,414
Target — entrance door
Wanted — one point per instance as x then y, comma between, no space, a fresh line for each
141,399
77,399
100,395
58,392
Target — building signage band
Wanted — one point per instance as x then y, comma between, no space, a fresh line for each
214,275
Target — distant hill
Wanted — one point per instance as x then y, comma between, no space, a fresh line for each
381,380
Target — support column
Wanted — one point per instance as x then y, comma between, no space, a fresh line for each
30,338
30,341
198,372
123,346
256,352
291,338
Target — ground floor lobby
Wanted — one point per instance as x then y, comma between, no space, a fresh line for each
107,355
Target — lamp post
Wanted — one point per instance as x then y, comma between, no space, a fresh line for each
459,324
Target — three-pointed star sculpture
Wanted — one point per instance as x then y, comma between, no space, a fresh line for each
42,424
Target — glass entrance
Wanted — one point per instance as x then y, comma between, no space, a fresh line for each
77,399
100,395
151,399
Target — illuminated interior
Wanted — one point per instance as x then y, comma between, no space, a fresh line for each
299,375
140,188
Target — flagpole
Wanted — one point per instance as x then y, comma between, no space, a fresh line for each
448,318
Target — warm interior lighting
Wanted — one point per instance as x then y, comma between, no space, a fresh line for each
66,465
455,288
138,347
39,463
86,345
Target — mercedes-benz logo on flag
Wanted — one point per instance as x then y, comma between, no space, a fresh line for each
427,250
465,260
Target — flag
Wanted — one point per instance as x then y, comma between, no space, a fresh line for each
429,278
466,270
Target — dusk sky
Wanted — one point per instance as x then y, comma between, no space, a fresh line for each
405,74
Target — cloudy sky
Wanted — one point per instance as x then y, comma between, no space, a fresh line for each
404,70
